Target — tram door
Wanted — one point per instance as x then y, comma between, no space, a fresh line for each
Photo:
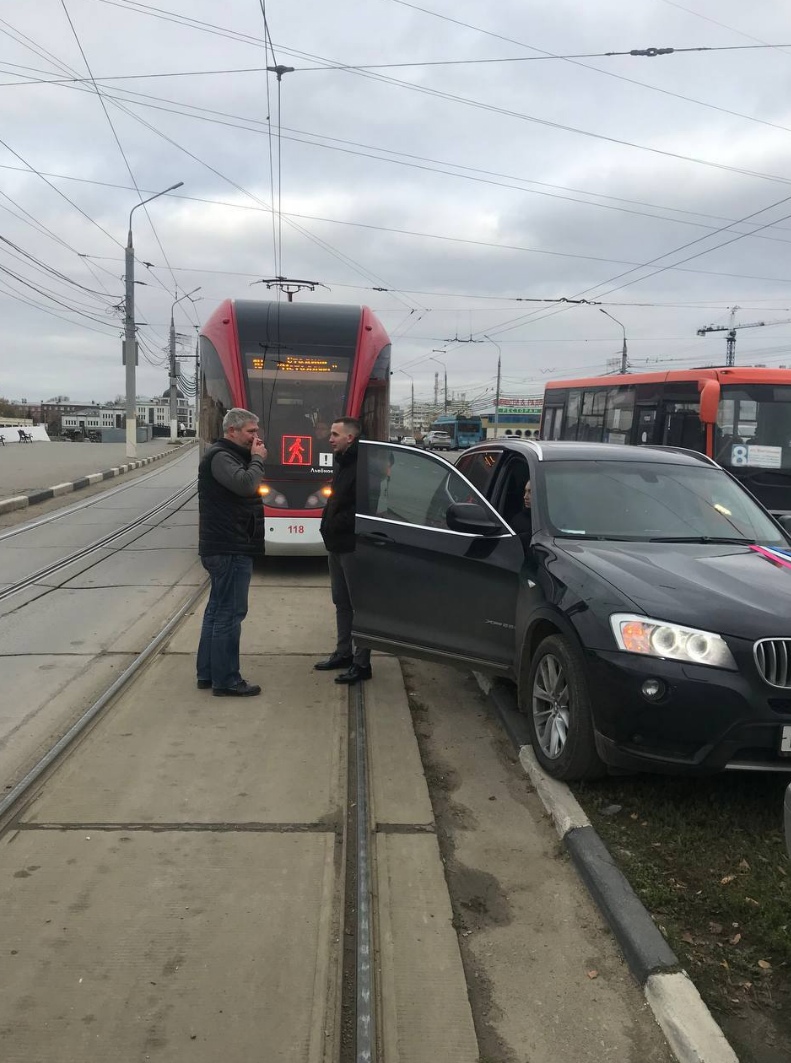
647,417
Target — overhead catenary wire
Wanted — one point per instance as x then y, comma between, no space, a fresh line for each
427,90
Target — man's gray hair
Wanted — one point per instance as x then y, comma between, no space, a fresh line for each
236,418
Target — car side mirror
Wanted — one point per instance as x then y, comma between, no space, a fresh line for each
784,520
472,518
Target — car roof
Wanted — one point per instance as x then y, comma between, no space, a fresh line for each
568,450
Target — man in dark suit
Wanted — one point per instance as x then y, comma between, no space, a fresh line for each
337,531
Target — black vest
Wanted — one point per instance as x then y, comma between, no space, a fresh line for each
229,523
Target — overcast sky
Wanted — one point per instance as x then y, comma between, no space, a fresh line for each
460,185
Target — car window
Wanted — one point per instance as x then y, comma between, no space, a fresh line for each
479,468
409,487
510,498
651,500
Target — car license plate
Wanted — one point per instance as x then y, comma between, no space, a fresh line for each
785,741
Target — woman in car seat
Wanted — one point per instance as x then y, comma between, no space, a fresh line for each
522,523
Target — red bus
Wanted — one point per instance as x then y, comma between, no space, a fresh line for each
741,417
298,366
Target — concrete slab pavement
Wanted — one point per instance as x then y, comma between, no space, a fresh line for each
130,946
276,759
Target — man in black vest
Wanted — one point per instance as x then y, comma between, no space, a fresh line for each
231,535
337,531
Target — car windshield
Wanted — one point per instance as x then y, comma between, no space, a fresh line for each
644,501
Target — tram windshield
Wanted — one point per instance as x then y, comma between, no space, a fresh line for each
297,394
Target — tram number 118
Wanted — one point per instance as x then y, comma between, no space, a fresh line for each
296,529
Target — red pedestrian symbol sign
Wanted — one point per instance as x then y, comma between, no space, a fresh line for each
297,450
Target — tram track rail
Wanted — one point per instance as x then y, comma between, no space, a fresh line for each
356,991
177,500
93,500
18,797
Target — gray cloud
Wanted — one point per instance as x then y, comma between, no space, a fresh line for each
220,237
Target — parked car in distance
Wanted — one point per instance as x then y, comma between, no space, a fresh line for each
408,441
438,441
643,607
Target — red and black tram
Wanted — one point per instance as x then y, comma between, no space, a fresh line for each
298,367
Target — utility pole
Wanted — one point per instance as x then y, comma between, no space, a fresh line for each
174,424
412,414
497,389
445,374
129,349
436,389
197,384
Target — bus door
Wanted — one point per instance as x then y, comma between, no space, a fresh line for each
683,428
552,427
648,420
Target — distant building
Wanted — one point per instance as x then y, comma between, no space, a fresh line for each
155,412
516,417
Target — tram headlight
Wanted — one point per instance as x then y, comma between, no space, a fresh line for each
319,498
270,497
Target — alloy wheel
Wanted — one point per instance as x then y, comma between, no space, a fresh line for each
551,706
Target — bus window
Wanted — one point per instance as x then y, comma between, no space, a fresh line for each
572,414
591,424
619,416
553,422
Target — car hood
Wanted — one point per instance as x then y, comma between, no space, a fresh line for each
729,589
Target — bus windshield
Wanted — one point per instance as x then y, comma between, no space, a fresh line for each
297,395
754,426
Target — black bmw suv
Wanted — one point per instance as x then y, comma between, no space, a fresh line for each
641,600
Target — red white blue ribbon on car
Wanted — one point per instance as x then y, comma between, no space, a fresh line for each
781,558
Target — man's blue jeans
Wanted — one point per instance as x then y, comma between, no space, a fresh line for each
218,650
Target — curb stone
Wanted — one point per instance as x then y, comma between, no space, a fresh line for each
690,1029
8,505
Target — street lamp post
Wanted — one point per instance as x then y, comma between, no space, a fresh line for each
623,349
412,414
130,340
174,425
445,374
497,389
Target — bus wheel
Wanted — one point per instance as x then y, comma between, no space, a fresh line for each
559,714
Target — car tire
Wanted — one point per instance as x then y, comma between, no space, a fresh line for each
559,718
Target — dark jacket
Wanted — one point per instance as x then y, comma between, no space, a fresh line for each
337,520
231,511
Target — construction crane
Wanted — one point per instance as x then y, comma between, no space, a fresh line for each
730,328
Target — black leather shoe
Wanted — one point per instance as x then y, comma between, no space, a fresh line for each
335,660
244,690
355,674
204,684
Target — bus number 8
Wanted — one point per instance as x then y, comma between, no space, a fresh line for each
739,454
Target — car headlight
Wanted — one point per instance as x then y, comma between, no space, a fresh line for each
656,638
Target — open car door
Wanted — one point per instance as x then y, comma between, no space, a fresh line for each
436,570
